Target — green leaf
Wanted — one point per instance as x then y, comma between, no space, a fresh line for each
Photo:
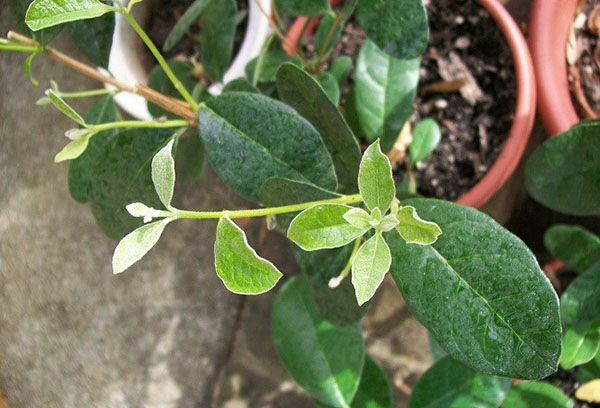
237,264
47,13
384,90
398,27
426,137
358,218
217,36
193,13
415,230
341,68
62,106
450,384
338,305
189,159
27,64
94,37
122,175
277,192
577,247
136,245
374,390
266,68
299,90
163,174
308,8
330,86
18,9
589,371
80,170
250,138
536,395
580,303
322,35
159,81
567,167
371,263
75,148
322,227
325,360
375,180
580,344
240,85
480,292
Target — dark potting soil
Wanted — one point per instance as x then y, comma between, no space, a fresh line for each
583,57
165,17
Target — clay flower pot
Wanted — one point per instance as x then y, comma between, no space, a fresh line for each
548,33
125,61
492,193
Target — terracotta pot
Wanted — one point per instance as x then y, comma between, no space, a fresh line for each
490,194
548,33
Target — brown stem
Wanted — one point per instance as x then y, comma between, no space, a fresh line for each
175,106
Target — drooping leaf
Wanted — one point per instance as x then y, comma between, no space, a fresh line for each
159,81
371,263
47,13
480,292
426,137
415,230
340,68
398,27
250,138
577,247
308,8
237,264
263,69
64,107
74,148
122,175
240,85
217,36
28,71
375,180
325,360
191,15
580,344
567,167
80,170
451,384
330,86
94,37
374,390
384,92
299,90
323,227
137,244
536,395
163,174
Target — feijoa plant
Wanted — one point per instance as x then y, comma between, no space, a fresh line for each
280,141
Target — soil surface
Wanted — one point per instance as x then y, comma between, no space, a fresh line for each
583,57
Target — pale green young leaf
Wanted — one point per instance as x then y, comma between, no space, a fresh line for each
358,218
74,149
375,181
580,344
134,246
426,137
371,263
47,13
388,223
323,226
62,106
163,174
237,264
415,230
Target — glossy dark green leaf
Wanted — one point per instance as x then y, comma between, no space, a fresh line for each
338,305
299,90
374,390
48,13
308,8
398,27
250,138
122,175
80,170
480,292
450,384
330,86
577,247
191,15
160,82
426,137
341,68
189,159
536,395
240,85
580,344
384,92
564,173
325,360
580,303
217,36
94,37
265,67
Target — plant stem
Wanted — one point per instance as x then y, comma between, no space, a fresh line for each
136,124
335,282
9,46
323,51
262,212
161,60
86,94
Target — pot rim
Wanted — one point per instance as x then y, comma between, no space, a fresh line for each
125,62
549,27
524,115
